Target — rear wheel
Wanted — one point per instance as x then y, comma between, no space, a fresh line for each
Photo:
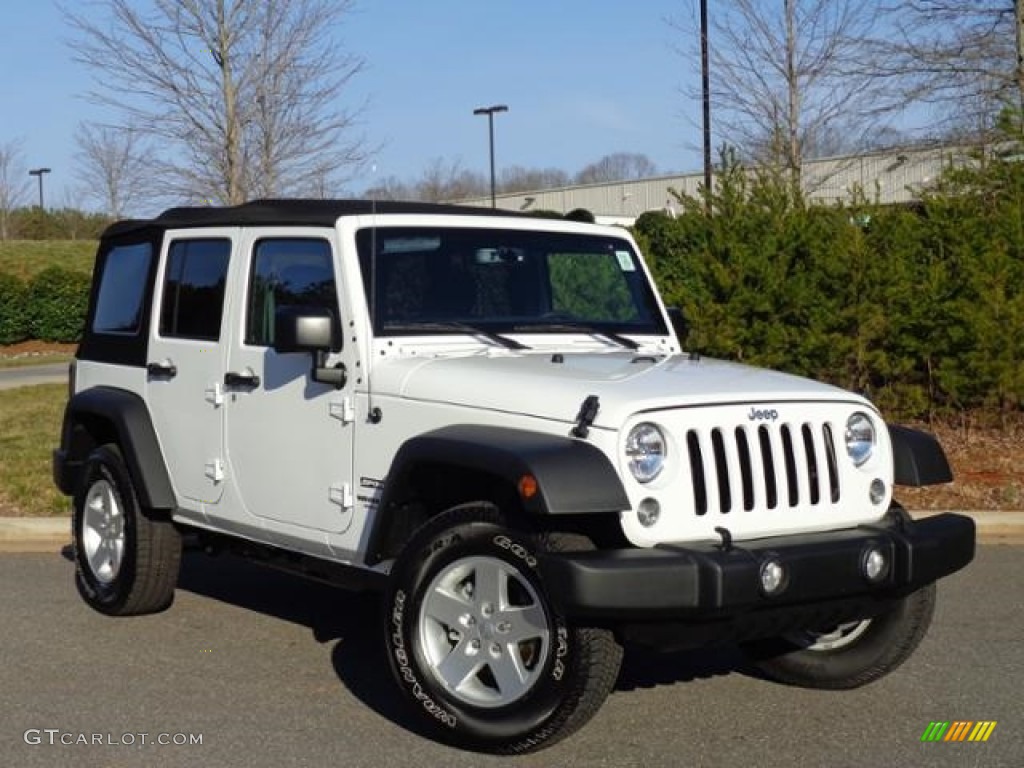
479,645
848,655
125,561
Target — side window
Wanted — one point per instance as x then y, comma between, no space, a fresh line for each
122,288
291,272
193,295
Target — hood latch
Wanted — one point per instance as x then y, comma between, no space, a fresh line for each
588,412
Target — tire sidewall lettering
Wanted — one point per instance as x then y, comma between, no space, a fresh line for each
561,652
516,549
405,671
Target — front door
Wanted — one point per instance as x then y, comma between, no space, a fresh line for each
185,362
289,438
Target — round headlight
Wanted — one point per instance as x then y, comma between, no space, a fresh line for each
860,438
645,452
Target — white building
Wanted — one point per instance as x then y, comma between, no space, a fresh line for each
892,176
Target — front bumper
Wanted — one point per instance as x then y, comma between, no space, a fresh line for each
709,582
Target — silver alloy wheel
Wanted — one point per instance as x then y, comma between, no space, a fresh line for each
484,632
103,531
840,637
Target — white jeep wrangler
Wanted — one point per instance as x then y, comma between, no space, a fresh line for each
489,418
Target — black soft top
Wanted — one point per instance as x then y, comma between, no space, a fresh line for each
285,212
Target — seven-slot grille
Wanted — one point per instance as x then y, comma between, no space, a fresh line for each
777,466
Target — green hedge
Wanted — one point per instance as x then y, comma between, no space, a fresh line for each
13,322
921,308
57,300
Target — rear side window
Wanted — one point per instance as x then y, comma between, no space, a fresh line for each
287,273
122,288
193,295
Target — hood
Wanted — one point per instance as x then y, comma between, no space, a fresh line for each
553,386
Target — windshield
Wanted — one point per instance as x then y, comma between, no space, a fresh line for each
431,280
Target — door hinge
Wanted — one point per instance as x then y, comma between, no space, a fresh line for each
343,410
342,496
215,394
215,470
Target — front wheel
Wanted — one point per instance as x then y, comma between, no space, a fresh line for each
848,655
479,645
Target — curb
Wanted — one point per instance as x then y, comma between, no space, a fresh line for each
51,534
34,534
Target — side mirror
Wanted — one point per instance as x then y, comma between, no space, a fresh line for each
305,329
682,330
313,330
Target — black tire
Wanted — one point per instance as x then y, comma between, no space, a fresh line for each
850,655
126,562
567,672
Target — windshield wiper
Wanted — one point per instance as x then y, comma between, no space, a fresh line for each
456,325
618,338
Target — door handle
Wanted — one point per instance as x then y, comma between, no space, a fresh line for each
164,370
250,380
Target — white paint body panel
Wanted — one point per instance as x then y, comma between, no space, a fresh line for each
529,391
303,465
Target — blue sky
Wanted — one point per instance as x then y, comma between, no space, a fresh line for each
582,79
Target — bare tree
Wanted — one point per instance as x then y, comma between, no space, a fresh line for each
964,58
242,94
112,167
786,77
617,167
388,188
445,180
13,183
70,212
517,178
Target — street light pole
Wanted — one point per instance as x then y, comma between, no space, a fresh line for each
489,111
38,172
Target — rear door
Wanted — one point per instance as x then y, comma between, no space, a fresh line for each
186,357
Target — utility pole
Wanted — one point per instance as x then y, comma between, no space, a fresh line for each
1018,19
705,83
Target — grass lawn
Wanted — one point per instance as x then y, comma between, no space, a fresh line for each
30,419
24,258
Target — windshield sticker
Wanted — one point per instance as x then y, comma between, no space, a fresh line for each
411,244
625,261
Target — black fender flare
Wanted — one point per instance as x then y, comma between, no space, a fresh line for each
918,458
573,477
126,413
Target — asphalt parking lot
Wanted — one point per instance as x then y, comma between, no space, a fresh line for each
269,670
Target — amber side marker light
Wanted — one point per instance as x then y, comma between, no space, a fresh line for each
527,486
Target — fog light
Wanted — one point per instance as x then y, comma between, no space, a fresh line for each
773,577
648,512
875,565
877,491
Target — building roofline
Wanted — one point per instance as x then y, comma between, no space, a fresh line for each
914,149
